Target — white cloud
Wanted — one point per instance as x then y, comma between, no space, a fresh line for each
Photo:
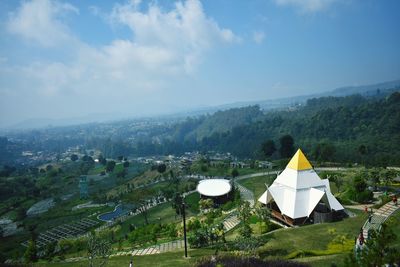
40,21
258,37
185,32
165,46
306,6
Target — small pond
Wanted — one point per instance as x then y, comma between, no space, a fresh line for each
119,211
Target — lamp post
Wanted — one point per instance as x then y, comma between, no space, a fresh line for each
184,225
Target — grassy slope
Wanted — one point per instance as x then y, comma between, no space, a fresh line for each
175,259
311,237
257,184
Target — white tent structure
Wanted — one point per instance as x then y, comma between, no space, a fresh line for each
297,191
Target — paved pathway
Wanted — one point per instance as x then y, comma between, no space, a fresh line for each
379,217
232,220
246,194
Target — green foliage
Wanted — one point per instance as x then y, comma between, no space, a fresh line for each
286,149
347,123
149,234
30,253
235,173
206,203
357,190
98,250
192,202
110,166
206,235
324,152
245,231
244,211
161,168
193,224
268,148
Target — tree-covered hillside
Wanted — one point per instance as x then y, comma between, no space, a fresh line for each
348,123
359,129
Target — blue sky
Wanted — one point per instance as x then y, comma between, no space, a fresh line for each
61,59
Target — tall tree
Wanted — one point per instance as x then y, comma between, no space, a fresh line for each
110,166
287,149
74,157
324,152
235,173
268,148
161,168
244,211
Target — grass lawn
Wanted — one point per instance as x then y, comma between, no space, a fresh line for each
97,169
310,237
257,184
192,201
163,211
175,259
323,261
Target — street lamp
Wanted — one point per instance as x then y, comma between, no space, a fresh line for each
184,224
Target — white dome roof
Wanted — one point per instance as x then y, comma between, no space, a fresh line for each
214,187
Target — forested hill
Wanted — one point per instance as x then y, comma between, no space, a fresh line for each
359,129
345,123
220,121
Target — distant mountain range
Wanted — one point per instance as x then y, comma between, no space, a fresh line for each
383,89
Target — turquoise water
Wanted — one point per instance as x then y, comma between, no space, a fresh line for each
119,211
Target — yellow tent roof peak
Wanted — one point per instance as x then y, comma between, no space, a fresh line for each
299,162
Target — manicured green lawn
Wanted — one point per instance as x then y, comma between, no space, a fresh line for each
310,237
257,184
163,211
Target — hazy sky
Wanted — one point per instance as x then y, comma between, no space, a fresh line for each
71,58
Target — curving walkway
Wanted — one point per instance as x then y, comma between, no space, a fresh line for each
246,194
379,217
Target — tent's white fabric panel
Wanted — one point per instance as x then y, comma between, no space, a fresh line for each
288,178
301,204
333,202
266,197
315,196
299,179
307,179
279,194
289,202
